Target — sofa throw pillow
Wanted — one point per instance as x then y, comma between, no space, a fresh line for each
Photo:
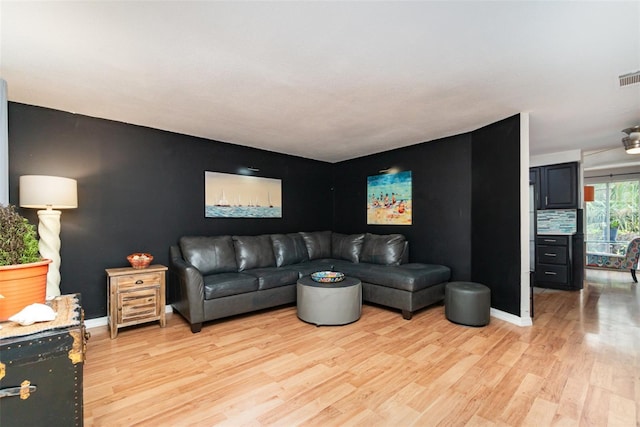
209,254
346,247
382,249
318,244
253,252
289,249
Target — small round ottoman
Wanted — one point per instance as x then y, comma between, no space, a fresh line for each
467,303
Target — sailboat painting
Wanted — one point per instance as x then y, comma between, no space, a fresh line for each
240,196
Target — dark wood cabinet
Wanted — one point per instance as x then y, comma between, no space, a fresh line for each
557,185
559,260
534,179
553,262
577,256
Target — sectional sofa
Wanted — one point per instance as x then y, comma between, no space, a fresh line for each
220,276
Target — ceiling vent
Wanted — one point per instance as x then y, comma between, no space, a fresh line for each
630,79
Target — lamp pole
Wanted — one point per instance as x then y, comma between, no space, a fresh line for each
49,246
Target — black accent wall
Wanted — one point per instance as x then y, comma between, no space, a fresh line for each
495,203
140,189
466,205
441,186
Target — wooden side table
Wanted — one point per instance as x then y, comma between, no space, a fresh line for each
135,296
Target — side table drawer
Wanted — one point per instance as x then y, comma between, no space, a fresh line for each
137,305
138,280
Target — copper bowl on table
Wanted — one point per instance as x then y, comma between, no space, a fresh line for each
140,260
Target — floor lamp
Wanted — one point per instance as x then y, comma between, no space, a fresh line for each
49,193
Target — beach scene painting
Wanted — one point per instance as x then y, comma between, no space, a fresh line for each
389,199
241,196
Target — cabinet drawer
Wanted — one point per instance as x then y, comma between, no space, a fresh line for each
551,273
551,254
139,304
138,280
552,240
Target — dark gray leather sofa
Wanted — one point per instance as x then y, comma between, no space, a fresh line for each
216,277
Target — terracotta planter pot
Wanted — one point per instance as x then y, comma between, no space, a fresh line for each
21,285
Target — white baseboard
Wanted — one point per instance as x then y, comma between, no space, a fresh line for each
511,318
103,321
498,314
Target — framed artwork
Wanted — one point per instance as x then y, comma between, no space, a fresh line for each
389,199
241,196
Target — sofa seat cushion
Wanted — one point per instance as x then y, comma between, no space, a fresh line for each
407,277
273,277
289,249
254,252
209,254
306,268
333,264
225,284
383,249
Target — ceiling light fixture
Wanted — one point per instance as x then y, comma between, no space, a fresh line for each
632,142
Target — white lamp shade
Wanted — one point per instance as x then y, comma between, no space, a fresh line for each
42,191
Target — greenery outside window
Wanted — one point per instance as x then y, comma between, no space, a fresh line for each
613,218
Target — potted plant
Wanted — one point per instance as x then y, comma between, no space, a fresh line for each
614,224
23,272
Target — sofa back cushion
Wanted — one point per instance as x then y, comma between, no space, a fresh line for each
383,249
318,244
289,249
347,247
209,254
253,252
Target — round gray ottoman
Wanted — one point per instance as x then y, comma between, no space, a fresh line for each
329,303
467,303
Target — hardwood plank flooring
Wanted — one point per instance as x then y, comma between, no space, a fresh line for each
578,365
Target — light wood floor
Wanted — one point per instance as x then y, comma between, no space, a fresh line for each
578,365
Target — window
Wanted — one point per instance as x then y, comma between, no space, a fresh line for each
612,219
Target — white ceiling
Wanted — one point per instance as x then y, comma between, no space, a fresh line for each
332,80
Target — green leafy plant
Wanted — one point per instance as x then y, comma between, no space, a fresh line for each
18,238
614,223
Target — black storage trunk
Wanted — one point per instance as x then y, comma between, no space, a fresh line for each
41,377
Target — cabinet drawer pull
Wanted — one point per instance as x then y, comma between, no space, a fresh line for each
550,240
139,282
546,254
550,273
